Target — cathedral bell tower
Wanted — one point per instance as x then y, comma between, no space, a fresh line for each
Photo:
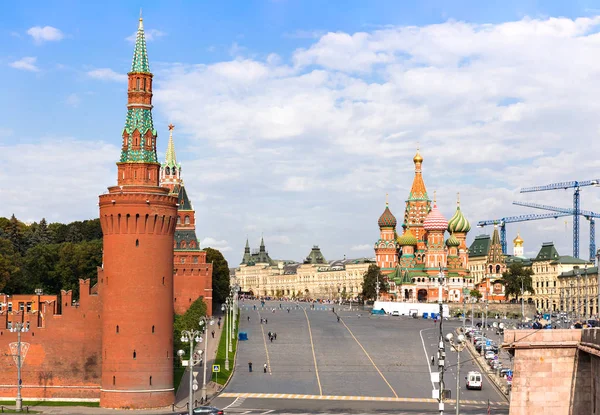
138,219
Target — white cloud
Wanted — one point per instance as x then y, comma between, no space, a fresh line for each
73,100
319,138
107,74
222,245
44,166
150,34
27,64
45,34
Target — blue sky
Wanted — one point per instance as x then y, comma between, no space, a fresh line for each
294,118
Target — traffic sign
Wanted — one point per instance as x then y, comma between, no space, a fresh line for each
216,368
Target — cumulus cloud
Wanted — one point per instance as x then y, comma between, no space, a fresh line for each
220,244
73,100
45,167
107,74
323,135
45,34
26,64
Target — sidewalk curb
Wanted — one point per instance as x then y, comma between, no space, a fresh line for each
216,395
491,376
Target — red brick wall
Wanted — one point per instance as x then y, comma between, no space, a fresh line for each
191,280
64,358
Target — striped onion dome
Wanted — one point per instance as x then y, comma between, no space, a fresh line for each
407,238
458,222
387,220
452,241
435,221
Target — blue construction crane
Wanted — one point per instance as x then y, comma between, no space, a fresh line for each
576,209
512,219
585,213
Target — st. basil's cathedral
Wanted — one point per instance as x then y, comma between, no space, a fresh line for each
411,262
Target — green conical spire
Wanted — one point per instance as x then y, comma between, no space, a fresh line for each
171,159
140,55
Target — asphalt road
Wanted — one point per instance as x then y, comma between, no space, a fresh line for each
363,363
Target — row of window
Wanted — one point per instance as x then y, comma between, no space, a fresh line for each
186,219
9,325
22,307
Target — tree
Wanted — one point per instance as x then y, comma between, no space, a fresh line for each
39,269
14,231
220,277
40,234
77,261
188,321
9,267
475,294
369,290
517,280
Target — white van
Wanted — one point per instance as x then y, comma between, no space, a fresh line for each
474,380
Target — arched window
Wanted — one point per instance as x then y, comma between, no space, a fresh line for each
497,269
137,83
134,354
150,376
117,329
144,87
114,380
174,171
152,329
178,220
167,171
491,267
183,244
186,220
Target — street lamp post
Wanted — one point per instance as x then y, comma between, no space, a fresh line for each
225,307
189,336
458,346
442,350
571,299
19,328
586,313
598,282
205,321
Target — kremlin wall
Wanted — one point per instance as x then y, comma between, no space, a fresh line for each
115,344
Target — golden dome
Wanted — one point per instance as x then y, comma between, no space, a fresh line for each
418,158
518,241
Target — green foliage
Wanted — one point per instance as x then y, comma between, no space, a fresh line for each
517,280
222,351
220,277
41,256
475,294
187,321
369,291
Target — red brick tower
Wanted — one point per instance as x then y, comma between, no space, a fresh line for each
192,275
138,220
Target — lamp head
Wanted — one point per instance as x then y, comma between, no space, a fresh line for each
183,339
495,325
461,338
449,337
201,323
180,353
222,307
198,339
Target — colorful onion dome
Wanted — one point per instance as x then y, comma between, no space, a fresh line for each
407,238
452,241
387,220
458,222
435,221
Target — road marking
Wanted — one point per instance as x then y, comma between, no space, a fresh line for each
262,328
426,356
348,398
312,346
369,357
238,401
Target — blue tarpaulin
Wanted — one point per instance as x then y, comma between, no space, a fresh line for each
242,335
425,315
377,311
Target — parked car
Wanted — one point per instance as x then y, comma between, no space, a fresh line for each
396,313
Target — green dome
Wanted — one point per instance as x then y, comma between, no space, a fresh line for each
387,220
452,241
407,239
458,222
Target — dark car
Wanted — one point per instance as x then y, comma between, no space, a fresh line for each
208,410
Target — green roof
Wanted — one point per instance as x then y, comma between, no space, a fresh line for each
182,198
480,246
582,271
186,235
139,119
140,55
547,252
567,259
315,256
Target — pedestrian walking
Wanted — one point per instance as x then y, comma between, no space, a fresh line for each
275,336
338,317
250,367
219,324
248,318
213,334
269,334
271,338
265,368
432,360
266,322
288,310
